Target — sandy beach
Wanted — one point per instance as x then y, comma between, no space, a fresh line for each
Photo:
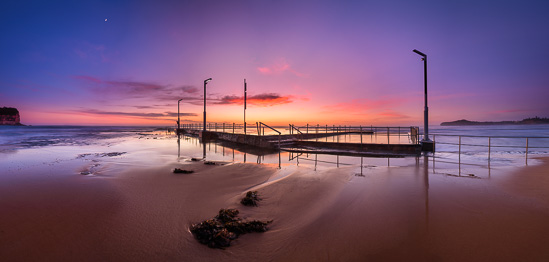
333,214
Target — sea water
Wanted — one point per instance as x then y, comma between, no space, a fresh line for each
24,146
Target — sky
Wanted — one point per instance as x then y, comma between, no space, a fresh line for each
317,62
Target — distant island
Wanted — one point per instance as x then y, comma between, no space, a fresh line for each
10,116
527,121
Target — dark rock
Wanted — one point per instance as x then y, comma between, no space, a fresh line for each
196,159
250,199
225,227
182,171
209,163
222,239
227,215
206,230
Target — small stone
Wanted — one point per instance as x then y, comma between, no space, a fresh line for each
182,171
250,199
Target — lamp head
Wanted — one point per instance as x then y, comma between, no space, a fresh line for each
207,80
419,53
179,100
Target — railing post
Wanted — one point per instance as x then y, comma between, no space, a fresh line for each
459,151
361,136
388,142
489,148
527,151
307,128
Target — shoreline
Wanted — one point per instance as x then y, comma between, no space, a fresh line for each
387,213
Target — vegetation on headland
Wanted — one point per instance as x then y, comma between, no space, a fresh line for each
526,121
225,227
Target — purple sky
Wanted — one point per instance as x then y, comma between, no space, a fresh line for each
326,62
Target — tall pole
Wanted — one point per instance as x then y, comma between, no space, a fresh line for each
205,82
178,123
426,108
245,97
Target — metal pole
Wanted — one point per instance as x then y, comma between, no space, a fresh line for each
527,151
426,109
489,148
361,136
459,152
178,123
245,98
205,82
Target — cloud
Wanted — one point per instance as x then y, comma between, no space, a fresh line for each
262,100
134,114
393,115
162,93
363,105
279,67
136,89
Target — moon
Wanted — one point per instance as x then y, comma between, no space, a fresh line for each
105,19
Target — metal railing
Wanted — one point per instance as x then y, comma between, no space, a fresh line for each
475,141
387,131
261,127
412,132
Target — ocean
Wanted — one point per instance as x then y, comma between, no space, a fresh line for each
114,146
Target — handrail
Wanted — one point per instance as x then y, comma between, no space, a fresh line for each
261,123
292,127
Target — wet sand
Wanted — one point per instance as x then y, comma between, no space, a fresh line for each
387,214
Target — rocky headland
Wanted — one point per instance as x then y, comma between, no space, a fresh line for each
10,116
526,121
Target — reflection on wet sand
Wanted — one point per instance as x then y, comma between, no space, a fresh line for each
323,207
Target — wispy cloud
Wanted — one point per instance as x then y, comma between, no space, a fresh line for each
164,93
280,66
136,89
263,100
134,114
393,115
362,105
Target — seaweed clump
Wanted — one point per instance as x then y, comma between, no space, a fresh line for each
182,171
250,199
225,227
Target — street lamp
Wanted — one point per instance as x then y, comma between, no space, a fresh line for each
205,82
426,109
178,123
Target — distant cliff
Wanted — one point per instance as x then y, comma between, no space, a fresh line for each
526,121
9,116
